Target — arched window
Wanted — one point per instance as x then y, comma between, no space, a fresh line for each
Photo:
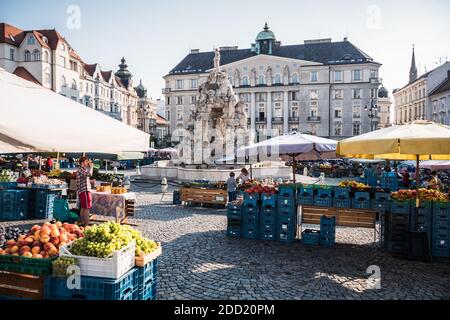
245,81
36,55
45,56
277,79
295,78
261,80
27,55
63,81
74,85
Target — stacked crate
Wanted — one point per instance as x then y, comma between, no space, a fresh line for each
440,245
305,195
327,231
268,217
250,216
341,197
13,205
389,181
370,178
146,281
311,237
361,200
41,203
421,218
234,220
286,224
395,232
381,201
324,197
176,197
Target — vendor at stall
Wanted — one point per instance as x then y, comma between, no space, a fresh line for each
244,176
434,182
84,172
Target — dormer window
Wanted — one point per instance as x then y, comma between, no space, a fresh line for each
30,40
45,39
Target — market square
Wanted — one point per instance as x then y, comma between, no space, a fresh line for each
277,169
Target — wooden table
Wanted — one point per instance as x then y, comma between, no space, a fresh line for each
357,218
203,195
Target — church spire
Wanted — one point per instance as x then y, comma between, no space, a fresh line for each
413,69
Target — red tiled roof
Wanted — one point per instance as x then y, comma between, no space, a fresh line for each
39,36
90,68
106,75
6,31
23,73
161,120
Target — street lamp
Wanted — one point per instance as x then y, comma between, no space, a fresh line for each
372,109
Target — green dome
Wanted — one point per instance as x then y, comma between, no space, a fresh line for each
266,34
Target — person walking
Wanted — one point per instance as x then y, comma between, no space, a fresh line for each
84,188
231,187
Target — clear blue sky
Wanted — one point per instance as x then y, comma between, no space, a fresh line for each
155,35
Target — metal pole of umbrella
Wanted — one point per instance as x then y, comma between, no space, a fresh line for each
251,172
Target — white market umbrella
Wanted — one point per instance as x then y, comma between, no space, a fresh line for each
168,150
436,164
36,119
295,145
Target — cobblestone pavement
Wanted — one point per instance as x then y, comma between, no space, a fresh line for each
200,262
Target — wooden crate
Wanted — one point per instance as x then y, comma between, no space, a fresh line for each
19,285
359,218
200,195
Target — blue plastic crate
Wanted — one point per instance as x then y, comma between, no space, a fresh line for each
268,220
324,192
234,207
235,214
441,209
268,226
381,201
286,192
327,241
148,292
14,195
92,288
286,237
267,235
323,202
14,214
8,185
307,200
251,199
286,228
286,202
341,193
361,204
268,212
250,232
250,216
234,231
362,195
147,273
401,207
327,221
269,200
310,237
341,203
287,211
234,222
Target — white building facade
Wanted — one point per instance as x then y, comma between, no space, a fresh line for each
46,58
320,87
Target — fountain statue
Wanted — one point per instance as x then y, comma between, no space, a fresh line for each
218,123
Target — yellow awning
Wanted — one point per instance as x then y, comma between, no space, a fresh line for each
427,139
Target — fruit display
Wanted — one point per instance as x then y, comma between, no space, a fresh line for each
270,188
424,194
38,173
118,190
61,264
325,166
353,184
7,176
46,181
54,173
10,233
103,189
102,240
43,241
22,180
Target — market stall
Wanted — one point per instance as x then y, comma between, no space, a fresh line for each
204,193
118,205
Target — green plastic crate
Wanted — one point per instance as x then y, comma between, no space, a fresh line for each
19,264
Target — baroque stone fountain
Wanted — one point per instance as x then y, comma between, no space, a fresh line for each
218,123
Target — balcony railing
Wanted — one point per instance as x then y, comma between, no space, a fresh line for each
259,120
356,116
165,90
277,119
313,119
294,119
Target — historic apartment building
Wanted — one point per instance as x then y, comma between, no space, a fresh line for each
419,100
321,87
46,58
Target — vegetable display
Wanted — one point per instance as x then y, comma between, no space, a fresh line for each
353,184
424,195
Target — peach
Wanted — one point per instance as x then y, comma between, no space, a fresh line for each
48,224
2,252
54,233
35,228
71,237
39,256
45,231
62,230
37,235
36,250
11,243
29,240
27,254
24,249
58,224
63,238
45,239
15,254
14,249
55,240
